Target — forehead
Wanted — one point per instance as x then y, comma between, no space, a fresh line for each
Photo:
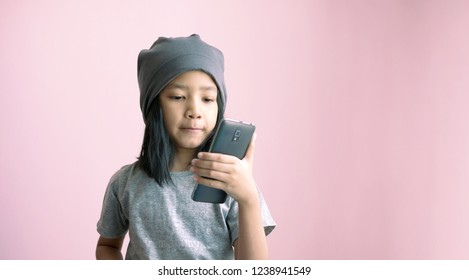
193,79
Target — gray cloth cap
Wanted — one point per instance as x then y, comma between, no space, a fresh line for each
170,57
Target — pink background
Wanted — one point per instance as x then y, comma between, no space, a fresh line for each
362,109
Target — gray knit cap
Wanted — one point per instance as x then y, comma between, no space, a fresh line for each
170,57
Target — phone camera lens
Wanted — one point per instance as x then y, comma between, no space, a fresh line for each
236,135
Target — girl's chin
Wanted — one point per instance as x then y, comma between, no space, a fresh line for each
189,146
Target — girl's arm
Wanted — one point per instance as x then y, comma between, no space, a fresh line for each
109,249
251,242
234,176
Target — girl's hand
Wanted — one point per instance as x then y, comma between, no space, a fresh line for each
228,173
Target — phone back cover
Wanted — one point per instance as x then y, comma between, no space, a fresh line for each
226,142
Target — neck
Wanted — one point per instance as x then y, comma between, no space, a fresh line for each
182,159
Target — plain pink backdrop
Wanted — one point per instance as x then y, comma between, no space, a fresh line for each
362,109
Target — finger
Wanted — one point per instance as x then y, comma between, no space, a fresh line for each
216,157
210,173
250,151
210,182
211,165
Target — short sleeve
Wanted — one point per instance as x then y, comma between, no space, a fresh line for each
113,222
233,213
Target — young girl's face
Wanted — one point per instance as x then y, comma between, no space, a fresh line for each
190,109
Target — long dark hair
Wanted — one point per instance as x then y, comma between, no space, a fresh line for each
157,153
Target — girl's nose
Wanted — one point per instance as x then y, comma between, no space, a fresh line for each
193,110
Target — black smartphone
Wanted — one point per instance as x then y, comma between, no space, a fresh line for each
232,137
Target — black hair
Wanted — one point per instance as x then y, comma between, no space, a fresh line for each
157,153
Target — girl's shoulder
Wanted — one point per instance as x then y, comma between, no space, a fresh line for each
124,171
128,173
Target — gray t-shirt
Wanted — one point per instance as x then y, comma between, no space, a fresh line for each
165,223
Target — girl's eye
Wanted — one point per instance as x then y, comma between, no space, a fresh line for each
209,100
176,97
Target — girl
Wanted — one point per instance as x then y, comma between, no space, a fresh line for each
182,98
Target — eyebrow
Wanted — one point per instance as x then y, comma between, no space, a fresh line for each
185,87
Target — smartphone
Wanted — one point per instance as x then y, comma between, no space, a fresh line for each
232,137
